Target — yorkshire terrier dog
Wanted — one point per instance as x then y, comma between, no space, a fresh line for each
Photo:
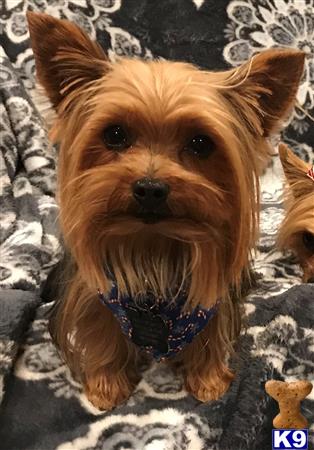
297,229
159,200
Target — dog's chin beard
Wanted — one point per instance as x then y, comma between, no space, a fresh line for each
162,259
148,262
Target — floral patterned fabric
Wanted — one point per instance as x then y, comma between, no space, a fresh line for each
42,406
255,25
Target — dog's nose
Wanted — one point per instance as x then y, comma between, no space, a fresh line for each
150,193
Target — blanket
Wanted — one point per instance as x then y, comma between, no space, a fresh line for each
41,406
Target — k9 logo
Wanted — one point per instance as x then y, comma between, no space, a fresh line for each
292,439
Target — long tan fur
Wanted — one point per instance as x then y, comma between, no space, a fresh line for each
299,217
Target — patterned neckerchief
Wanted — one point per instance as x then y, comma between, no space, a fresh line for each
158,326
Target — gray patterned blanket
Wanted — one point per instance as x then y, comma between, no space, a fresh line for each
41,406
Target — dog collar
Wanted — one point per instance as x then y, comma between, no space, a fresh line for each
158,326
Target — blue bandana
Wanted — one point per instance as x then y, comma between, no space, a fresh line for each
158,326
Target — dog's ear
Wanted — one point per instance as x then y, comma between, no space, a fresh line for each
268,83
296,172
66,58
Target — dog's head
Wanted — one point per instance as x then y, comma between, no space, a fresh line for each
159,161
297,229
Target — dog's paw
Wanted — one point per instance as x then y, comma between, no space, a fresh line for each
208,388
103,401
100,401
106,392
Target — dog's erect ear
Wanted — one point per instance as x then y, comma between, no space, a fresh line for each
269,83
296,172
66,58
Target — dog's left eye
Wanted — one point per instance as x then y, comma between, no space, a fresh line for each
116,138
201,146
308,241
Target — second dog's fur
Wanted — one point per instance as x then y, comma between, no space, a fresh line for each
297,229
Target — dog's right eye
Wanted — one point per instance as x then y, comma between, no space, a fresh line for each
201,146
116,138
308,241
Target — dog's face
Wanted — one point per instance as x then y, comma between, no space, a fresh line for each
297,230
159,160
